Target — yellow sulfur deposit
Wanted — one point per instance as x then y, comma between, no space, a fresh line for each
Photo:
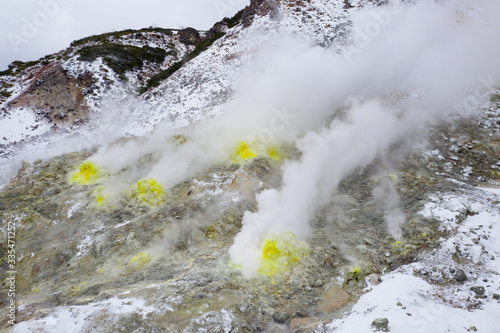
280,253
274,154
243,153
179,139
355,274
148,191
100,198
141,260
87,173
75,290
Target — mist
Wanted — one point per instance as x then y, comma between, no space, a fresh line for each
387,198
351,107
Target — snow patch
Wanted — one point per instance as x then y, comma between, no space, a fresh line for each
78,318
411,300
74,209
19,124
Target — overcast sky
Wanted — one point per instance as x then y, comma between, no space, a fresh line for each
31,29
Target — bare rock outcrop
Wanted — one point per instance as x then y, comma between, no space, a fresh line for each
56,96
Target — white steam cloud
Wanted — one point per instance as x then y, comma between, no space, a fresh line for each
407,75
387,197
328,156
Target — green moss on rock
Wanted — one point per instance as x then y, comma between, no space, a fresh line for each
165,74
116,34
122,58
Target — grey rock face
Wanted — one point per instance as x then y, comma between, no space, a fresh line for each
381,324
281,318
478,290
460,276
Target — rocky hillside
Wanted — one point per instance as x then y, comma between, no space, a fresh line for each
66,89
135,163
140,69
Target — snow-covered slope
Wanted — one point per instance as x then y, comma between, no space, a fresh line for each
453,288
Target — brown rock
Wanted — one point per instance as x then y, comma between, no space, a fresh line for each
334,298
56,96
218,28
259,8
189,36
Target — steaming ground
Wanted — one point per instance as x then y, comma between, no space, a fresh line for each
327,115
341,110
417,83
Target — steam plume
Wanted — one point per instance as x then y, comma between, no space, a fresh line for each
406,77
